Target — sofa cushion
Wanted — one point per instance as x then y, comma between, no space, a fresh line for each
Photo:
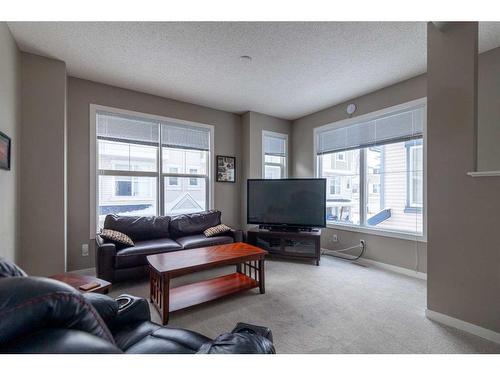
136,255
200,240
218,229
196,223
116,237
139,228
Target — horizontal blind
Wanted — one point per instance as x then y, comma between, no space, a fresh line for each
123,128
387,128
185,136
275,146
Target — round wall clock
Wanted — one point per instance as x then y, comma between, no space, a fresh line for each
351,108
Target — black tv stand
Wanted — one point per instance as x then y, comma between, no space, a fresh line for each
282,228
288,242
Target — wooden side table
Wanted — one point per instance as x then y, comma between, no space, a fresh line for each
76,281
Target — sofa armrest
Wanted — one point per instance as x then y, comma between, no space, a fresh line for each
237,235
254,330
238,343
106,306
105,257
135,310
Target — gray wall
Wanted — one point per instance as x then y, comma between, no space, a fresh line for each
43,179
488,152
253,123
463,255
401,253
81,94
10,124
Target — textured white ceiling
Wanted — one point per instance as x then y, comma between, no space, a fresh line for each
297,67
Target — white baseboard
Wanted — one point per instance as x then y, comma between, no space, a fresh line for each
390,267
484,333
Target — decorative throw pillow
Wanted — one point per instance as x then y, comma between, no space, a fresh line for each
116,236
218,229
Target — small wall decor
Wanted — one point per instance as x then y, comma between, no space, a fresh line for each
226,168
4,151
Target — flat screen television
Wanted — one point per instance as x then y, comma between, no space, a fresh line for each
292,202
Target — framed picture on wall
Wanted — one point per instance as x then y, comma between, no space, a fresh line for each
4,151
226,168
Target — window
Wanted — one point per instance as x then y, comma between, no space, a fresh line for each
414,150
374,170
274,154
335,186
173,181
193,181
142,165
123,188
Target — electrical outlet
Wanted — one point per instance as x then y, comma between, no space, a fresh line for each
85,250
335,238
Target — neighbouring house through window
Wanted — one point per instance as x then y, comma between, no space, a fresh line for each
374,168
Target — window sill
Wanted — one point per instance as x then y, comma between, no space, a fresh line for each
484,173
378,232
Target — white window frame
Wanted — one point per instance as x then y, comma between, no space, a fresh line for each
283,166
362,188
94,161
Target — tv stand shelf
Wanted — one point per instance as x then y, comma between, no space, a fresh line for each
296,245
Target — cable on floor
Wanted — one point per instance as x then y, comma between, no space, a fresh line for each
336,253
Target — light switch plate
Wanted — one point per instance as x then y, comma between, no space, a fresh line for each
85,250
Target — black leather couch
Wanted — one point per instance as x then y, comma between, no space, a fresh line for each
153,235
41,315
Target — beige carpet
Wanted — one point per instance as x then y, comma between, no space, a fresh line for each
338,307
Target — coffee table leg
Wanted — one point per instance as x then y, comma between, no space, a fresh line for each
165,299
262,281
151,285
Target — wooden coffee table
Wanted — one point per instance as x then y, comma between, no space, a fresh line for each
248,259
76,281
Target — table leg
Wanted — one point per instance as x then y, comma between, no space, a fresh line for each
262,281
165,299
238,268
151,285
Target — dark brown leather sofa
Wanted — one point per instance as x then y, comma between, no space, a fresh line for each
41,315
154,235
